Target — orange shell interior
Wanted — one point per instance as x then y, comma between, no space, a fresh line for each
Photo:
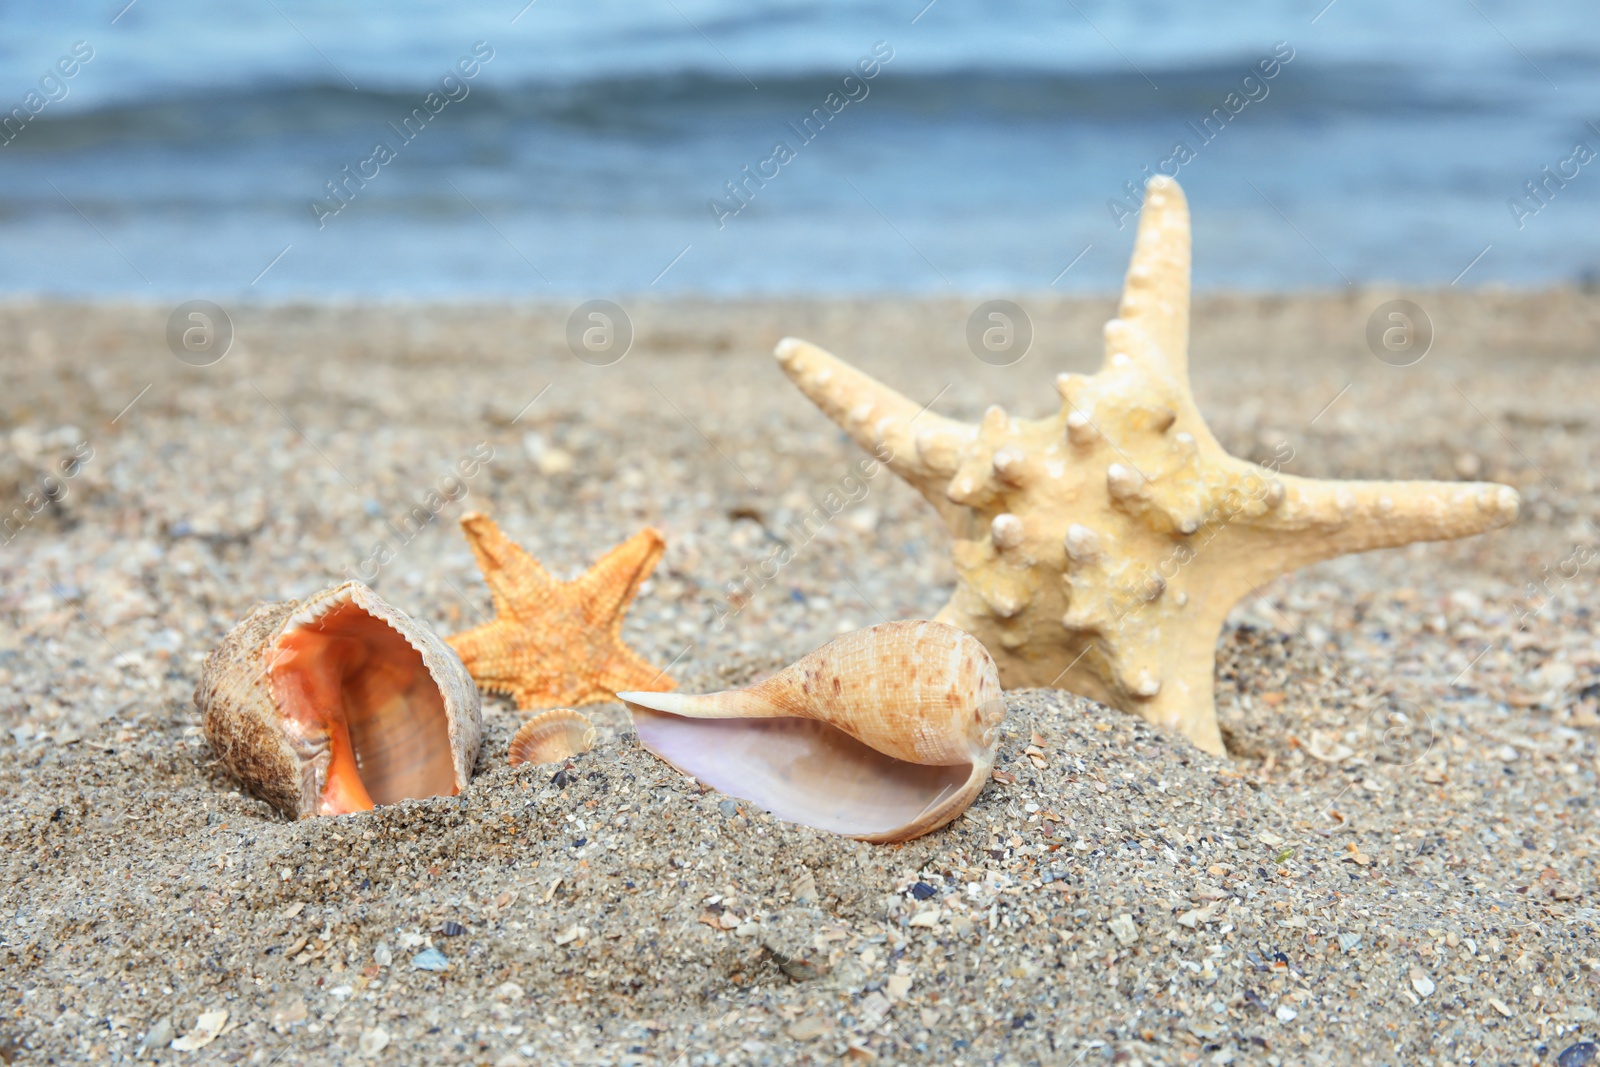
350,682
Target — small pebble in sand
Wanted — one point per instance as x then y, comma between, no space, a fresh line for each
158,1036
1421,982
1583,1054
429,959
809,1028
805,889
792,938
382,954
509,991
451,928
374,1041
287,1014
206,1029
1125,929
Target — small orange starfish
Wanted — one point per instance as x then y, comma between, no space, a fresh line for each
557,643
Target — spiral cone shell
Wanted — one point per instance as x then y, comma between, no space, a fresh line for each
882,734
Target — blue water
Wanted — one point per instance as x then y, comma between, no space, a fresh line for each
184,158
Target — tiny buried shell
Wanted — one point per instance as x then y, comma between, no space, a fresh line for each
551,738
883,734
339,703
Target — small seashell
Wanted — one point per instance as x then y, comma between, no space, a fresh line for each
338,703
373,1042
158,1036
551,738
206,1030
882,734
430,959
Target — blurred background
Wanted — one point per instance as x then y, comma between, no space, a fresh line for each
186,152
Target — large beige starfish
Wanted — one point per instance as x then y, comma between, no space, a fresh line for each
557,643
1101,548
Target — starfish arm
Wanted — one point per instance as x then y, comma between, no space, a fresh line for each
1319,520
1152,324
628,672
475,647
515,579
1186,701
1164,669
921,447
483,651
522,697
607,589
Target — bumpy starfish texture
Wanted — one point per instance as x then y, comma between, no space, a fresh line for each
557,643
1101,548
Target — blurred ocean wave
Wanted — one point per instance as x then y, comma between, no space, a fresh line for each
677,102
985,154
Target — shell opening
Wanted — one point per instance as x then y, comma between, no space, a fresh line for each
361,697
805,771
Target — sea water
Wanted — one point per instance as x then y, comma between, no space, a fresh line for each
286,149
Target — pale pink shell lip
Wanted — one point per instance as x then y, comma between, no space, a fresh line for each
721,752
882,734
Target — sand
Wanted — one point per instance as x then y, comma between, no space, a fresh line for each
1398,863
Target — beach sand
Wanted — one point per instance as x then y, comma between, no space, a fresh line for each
1398,863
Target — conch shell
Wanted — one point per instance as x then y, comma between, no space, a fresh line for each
338,703
882,734
551,737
